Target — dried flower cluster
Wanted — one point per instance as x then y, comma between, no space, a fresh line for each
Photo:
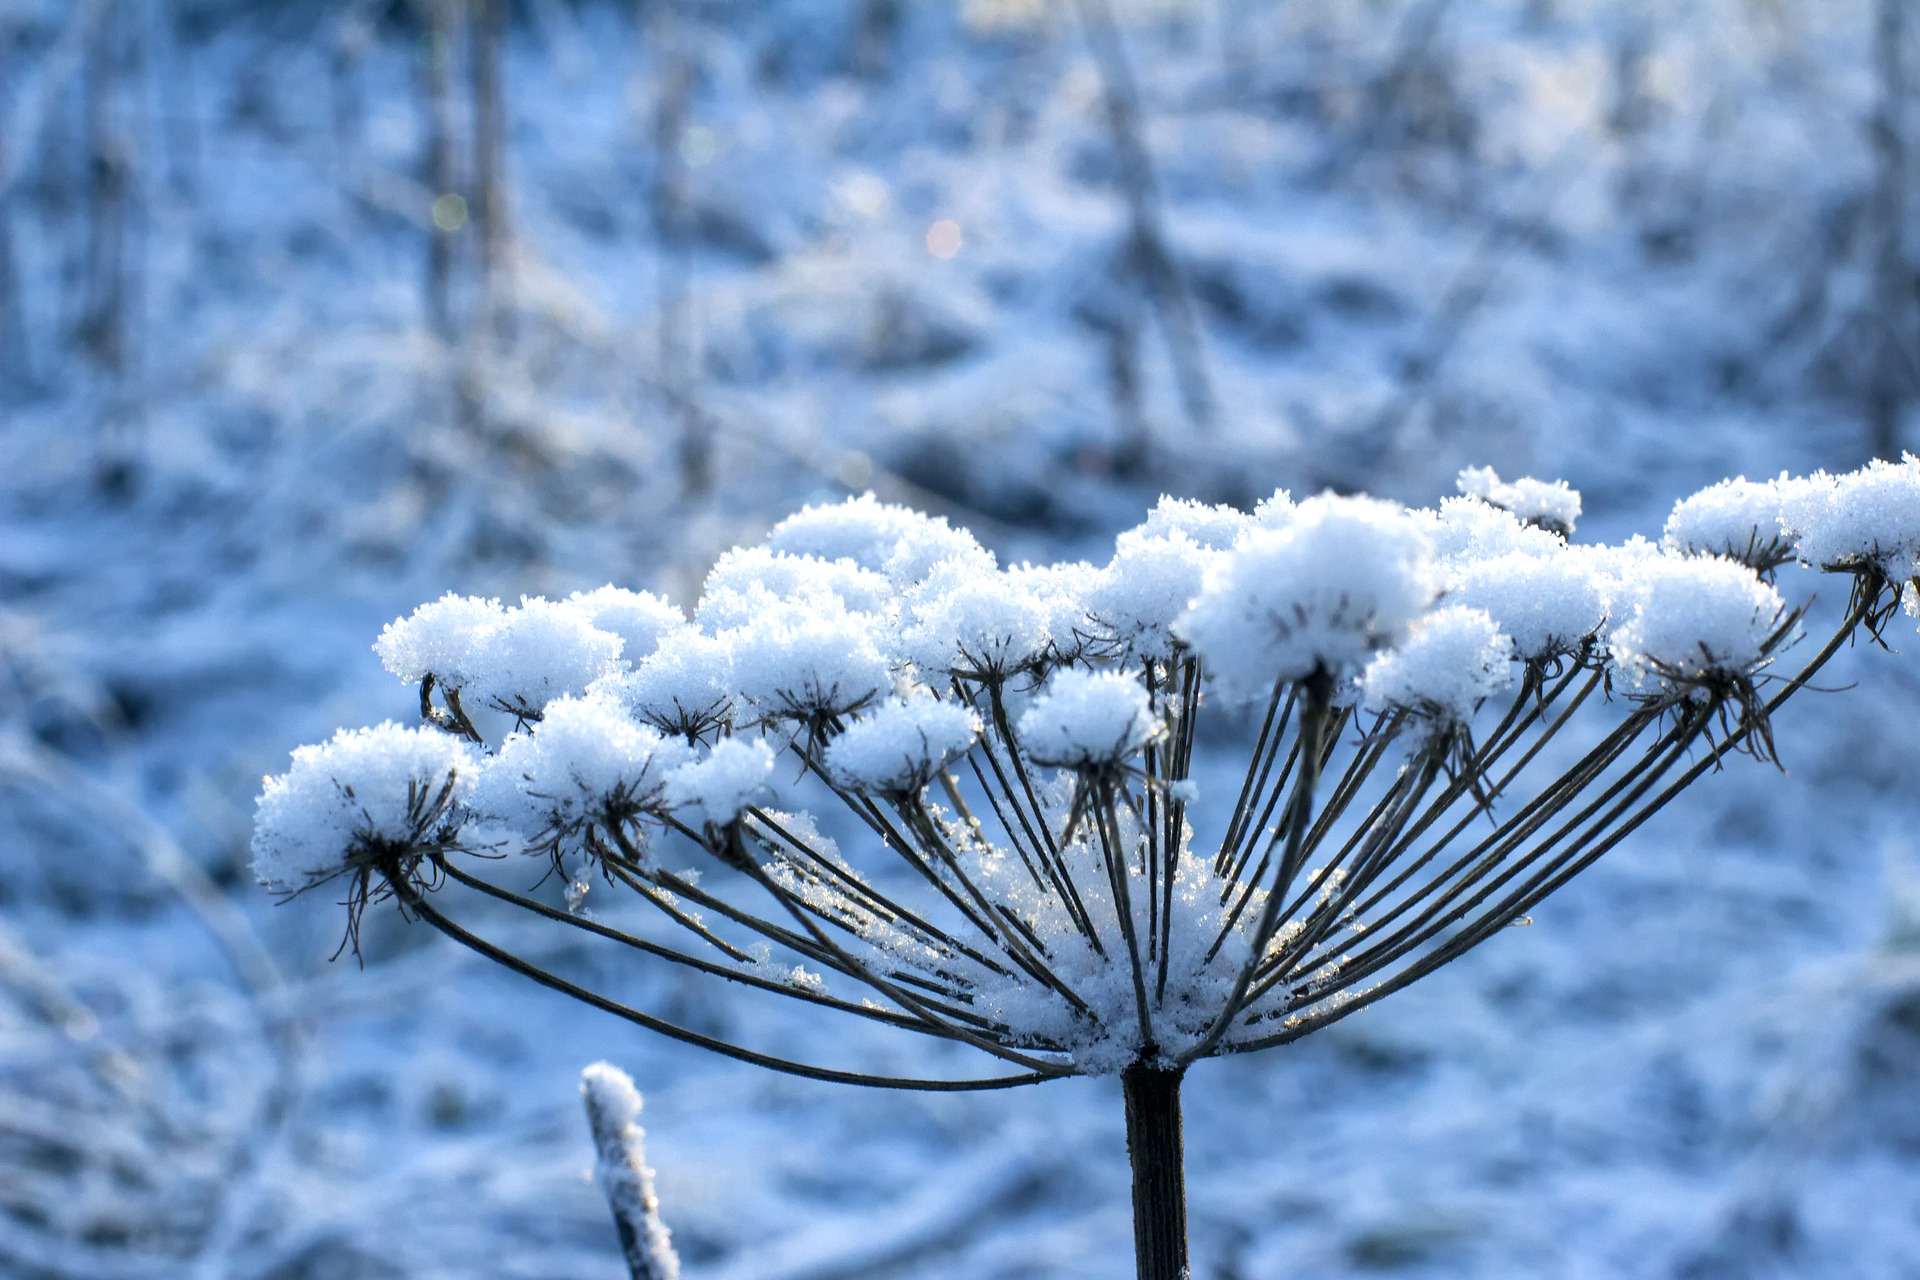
1454,711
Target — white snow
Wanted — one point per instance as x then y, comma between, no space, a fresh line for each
1088,720
1452,660
440,639
899,746
1345,578
1866,517
738,772
799,663
365,791
1552,505
584,763
1691,619
1548,605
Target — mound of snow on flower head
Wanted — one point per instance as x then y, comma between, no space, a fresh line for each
585,763
1088,719
1739,519
1865,519
1551,505
1452,660
1692,619
738,772
439,639
898,747
1548,606
366,791
1343,579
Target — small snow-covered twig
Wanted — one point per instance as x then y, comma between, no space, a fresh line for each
613,1106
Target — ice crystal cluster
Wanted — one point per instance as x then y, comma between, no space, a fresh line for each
1450,713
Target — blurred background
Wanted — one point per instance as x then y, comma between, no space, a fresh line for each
311,310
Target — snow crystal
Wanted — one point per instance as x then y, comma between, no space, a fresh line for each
585,763
1150,583
684,688
365,792
1452,660
640,618
438,639
1213,527
535,653
973,623
800,663
898,747
1549,605
1869,517
1691,619
1549,504
1344,579
1088,719
714,791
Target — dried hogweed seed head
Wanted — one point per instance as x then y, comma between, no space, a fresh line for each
1088,720
364,794
1452,660
901,745
1343,579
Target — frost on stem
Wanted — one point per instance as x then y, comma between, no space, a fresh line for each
620,1168
1017,748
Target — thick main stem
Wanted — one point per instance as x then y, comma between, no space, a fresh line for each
1159,1170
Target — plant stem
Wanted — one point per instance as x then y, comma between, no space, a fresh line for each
1159,1170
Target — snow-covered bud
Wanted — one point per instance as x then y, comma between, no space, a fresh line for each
1136,599
715,791
804,664
1321,594
1452,660
1549,606
585,765
364,796
747,581
1061,591
898,747
1739,519
684,688
537,652
1088,720
1214,527
863,530
974,624
1694,624
1866,520
640,618
1548,505
439,639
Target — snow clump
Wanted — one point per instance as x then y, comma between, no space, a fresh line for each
1321,594
1151,581
684,688
1739,519
1694,620
973,623
365,794
1549,606
439,639
901,745
640,618
715,791
805,664
585,765
1549,505
1867,519
1452,660
1088,720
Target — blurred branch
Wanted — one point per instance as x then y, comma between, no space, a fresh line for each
1888,389
1148,250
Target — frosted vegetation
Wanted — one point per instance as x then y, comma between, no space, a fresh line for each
1020,739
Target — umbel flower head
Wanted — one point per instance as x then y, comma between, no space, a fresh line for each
1450,714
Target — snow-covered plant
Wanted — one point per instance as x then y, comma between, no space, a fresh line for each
1452,713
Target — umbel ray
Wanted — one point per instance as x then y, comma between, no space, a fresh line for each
1452,713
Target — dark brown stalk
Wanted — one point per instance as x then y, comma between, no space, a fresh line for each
1156,1151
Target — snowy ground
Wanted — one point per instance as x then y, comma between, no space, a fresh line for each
1558,238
